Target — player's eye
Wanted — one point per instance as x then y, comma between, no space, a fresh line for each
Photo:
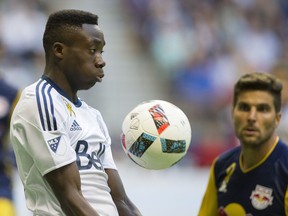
263,108
243,107
92,51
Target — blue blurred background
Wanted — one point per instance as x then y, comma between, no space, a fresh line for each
187,52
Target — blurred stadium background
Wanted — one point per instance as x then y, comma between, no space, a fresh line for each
187,52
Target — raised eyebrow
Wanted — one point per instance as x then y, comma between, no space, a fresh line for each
98,41
243,103
263,105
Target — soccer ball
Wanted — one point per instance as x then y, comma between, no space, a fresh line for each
156,134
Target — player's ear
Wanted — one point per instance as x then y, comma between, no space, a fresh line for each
58,49
278,119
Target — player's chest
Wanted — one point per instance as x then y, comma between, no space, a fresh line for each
254,192
85,125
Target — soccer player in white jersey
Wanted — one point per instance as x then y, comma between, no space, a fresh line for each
62,146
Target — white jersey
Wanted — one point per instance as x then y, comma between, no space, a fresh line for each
48,131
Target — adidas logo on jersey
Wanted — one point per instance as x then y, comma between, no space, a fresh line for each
75,126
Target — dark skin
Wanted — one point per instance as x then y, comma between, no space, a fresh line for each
78,67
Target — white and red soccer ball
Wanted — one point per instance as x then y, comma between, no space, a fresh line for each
156,134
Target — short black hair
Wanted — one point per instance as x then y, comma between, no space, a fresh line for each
65,21
259,81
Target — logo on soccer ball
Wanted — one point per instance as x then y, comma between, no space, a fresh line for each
173,146
142,144
160,119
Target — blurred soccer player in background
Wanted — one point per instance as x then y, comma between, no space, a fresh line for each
280,70
251,179
8,99
62,145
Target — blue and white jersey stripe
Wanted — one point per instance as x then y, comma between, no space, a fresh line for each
45,106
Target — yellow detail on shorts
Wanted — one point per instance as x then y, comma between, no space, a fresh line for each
235,209
6,207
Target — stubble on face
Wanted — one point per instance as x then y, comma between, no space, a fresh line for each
254,118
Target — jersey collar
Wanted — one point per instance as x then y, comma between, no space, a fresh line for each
260,162
78,103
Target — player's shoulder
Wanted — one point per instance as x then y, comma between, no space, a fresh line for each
228,157
230,153
279,159
40,96
92,109
43,90
281,151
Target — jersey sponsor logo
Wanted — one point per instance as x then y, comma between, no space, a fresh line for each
88,160
75,126
53,143
261,197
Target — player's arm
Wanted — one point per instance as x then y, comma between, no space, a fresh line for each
124,205
209,204
66,185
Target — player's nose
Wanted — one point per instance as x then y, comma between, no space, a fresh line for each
99,62
252,114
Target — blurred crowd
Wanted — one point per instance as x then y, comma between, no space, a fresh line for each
202,47
22,24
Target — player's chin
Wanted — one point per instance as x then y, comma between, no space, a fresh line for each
89,84
98,79
250,140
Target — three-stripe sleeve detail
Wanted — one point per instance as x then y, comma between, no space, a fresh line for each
101,150
45,106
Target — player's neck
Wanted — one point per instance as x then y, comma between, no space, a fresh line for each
252,156
61,81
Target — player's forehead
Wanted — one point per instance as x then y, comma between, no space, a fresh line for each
91,27
255,97
94,32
